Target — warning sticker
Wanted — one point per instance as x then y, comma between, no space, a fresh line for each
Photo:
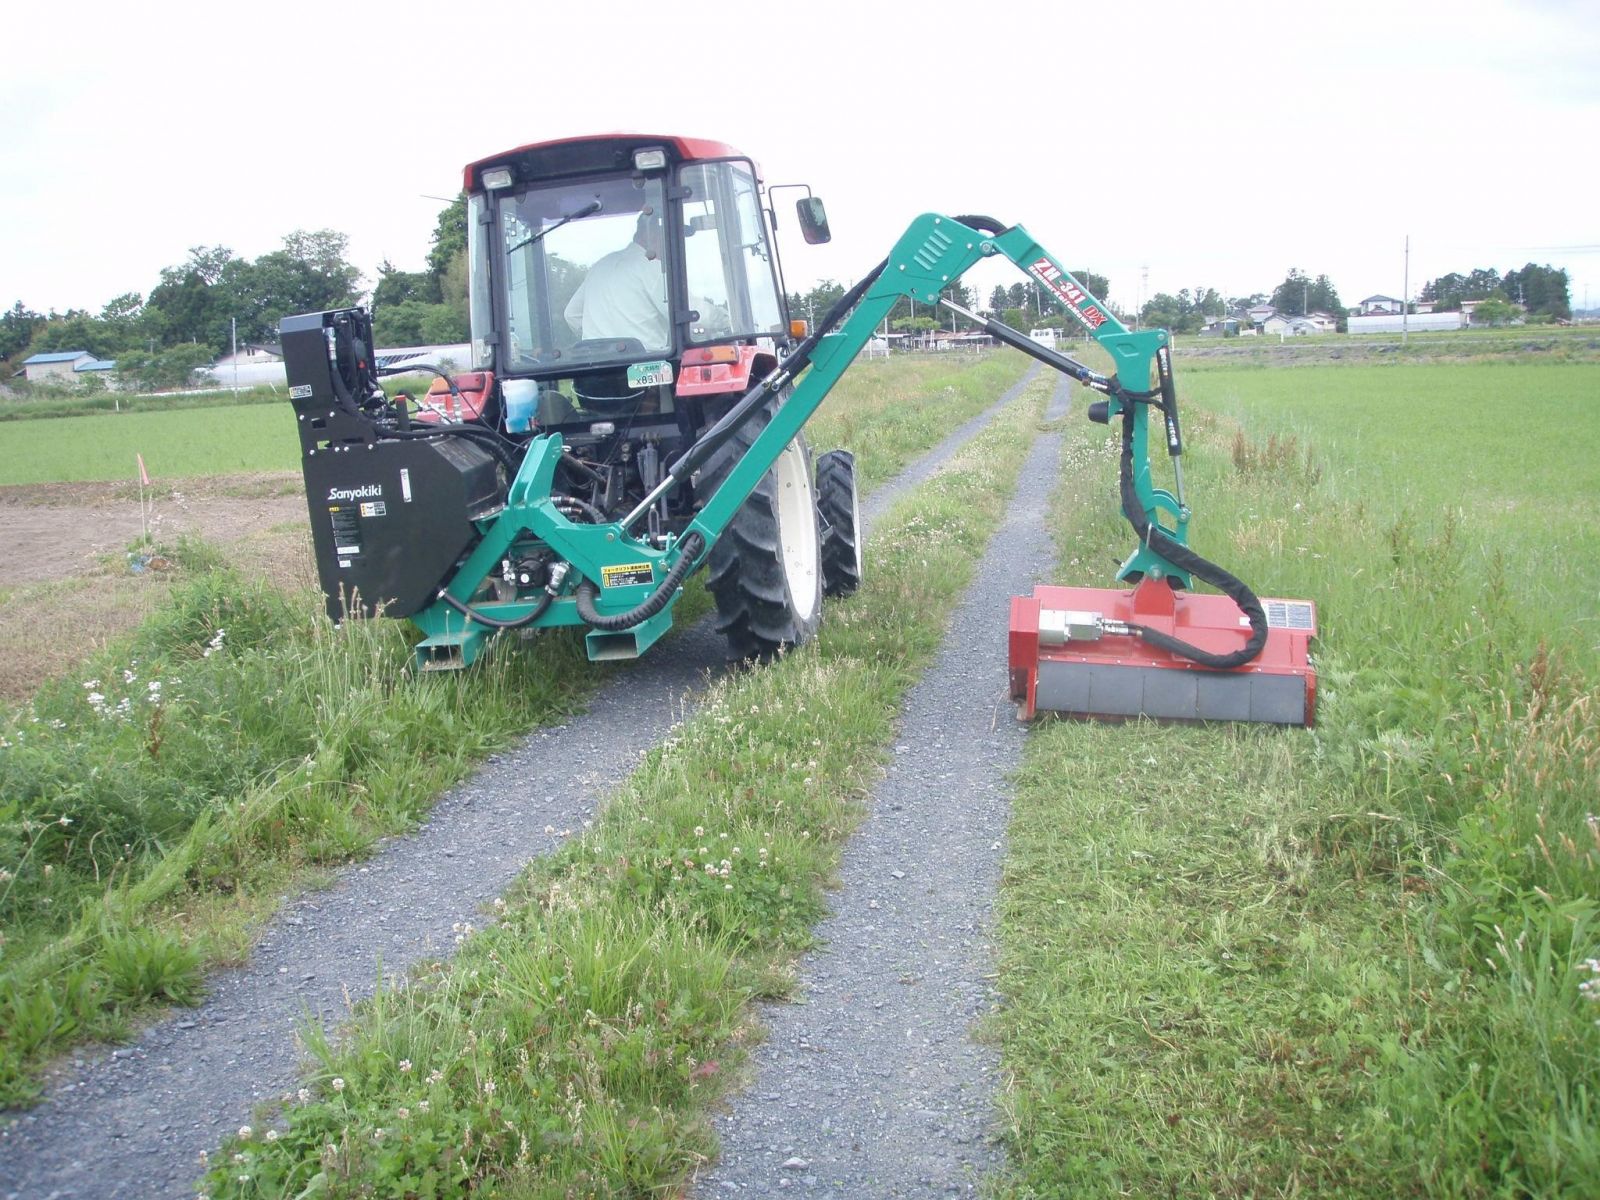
626,575
373,508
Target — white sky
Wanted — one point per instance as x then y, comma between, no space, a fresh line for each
1214,145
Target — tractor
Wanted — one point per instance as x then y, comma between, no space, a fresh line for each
634,412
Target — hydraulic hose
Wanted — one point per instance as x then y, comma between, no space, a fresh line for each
1186,559
692,546
466,610
481,434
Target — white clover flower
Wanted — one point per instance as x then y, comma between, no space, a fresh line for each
338,1084
423,1105
303,1095
699,831
272,1135
405,1066
244,1131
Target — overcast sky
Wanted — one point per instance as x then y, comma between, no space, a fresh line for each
1207,145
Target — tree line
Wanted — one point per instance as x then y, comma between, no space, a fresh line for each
1541,291
192,313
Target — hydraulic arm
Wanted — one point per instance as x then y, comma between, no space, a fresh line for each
934,252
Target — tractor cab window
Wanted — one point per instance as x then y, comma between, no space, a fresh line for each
728,262
582,274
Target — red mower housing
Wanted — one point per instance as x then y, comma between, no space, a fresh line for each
1063,658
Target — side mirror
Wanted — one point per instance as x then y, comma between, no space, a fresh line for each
813,220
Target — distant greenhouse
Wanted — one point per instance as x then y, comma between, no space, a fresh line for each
1387,322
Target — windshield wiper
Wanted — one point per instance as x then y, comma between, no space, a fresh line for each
588,210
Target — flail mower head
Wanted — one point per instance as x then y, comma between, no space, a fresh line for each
1075,651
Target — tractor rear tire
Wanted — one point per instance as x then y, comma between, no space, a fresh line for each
765,571
843,539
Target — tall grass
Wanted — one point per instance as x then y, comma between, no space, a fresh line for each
153,805
236,739
1352,959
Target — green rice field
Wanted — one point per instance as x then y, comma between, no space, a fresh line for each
175,444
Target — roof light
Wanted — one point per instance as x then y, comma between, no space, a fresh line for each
496,178
649,160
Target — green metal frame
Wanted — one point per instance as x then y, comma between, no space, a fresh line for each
934,252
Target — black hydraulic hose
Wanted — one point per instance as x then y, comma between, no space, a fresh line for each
409,368
986,224
480,434
562,501
692,546
1186,559
539,606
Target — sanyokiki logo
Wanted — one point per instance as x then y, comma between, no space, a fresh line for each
367,491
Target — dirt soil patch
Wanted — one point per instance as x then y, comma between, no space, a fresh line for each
68,584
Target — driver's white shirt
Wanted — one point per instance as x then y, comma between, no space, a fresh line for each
623,296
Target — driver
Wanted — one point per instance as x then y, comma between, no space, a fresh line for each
625,293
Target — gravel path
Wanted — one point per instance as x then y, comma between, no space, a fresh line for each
131,1122
871,1084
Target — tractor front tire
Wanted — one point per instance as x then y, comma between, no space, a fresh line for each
843,538
765,571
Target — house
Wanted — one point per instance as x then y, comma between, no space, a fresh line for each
1220,327
1373,305
1274,323
59,367
1259,313
1304,327
1325,322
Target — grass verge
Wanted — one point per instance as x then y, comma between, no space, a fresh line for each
1357,960
574,1046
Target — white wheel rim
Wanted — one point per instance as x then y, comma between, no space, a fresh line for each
797,528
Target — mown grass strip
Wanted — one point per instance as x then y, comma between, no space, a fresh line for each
154,810
1355,960
575,1046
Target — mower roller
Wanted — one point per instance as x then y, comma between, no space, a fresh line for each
634,412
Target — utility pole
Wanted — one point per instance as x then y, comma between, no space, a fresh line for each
1405,296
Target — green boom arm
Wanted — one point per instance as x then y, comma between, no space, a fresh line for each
934,252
